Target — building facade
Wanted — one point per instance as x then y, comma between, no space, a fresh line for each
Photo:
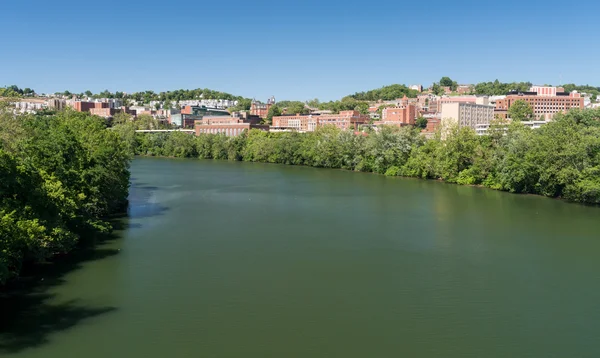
188,115
231,126
544,106
398,116
308,123
466,114
260,109
464,99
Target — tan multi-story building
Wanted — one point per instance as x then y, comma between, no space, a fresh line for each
544,106
466,114
433,105
308,123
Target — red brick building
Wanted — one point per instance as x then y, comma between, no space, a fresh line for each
82,106
109,112
230,126
308,123
260,109
432,124
398,116
545,105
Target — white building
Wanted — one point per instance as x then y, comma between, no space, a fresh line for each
211,103
418,88
30,106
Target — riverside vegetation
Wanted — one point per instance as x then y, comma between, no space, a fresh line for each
559,160
61,176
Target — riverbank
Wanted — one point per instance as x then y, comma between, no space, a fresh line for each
63,175
560,160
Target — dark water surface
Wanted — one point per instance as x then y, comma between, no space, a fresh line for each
222,259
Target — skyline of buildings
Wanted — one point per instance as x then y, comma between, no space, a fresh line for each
474,111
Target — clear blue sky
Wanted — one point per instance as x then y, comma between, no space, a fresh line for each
294,49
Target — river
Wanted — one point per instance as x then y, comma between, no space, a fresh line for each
228,259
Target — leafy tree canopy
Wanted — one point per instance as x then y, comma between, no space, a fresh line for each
520,111
386,93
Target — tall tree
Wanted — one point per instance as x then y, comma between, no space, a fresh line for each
421,122
273,111
520,111
446,81
437,89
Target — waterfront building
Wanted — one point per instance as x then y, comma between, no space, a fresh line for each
308,123
233,125
186,117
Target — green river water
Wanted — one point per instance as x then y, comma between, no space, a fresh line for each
227,259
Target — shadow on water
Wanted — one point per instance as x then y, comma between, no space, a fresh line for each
28,315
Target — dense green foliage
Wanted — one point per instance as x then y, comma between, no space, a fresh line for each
346,104
61,176
498,88
570,87
561,159
14,91
520,111
594,91
243,105
273,112
386,93
448,82
421,123
293,107
177,95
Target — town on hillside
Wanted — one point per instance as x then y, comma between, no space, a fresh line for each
445,102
